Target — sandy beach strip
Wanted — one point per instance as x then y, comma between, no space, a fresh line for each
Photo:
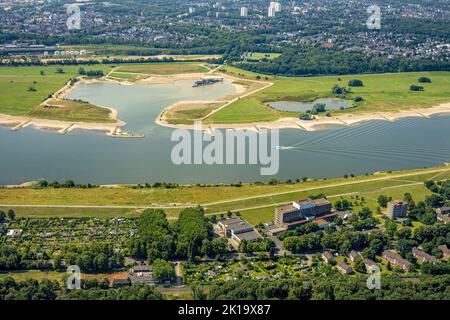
322,123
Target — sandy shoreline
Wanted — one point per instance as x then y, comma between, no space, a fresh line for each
114,129
322,123
111,129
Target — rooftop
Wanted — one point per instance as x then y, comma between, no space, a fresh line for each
248,236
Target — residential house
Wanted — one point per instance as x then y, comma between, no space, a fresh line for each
369,263
354,256
423,257
442,217
344,268
445,251
443,210
397,260
327,256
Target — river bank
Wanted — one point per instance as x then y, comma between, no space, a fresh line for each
113,129
321,122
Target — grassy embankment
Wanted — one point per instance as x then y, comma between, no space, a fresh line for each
255,202
381,93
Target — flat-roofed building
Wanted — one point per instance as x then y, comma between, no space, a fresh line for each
397,209
142,274
234,225
238,229
244,12
298,212
249,236
120,282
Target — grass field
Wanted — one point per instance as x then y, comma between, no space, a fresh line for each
164,68
261,55
70,110
189,115
255,202
56,275
381,93
16,98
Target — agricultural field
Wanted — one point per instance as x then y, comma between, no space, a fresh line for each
381,93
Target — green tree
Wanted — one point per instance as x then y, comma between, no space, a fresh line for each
163,271
11,215
382,201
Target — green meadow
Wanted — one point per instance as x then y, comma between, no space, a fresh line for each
163,68
381,93
255,202
23,88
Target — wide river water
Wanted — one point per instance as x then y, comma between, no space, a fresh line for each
31,154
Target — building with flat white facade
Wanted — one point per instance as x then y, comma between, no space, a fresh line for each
244,12
276,5
271,12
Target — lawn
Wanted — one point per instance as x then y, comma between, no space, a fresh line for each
190,114
381,93
163,68
16,96
70,110
261,55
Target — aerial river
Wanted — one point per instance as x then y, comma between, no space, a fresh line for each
92,157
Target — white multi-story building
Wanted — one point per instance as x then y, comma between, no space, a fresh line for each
276,5
191,10
244,12
271,12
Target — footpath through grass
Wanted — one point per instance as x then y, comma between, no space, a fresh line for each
256,202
